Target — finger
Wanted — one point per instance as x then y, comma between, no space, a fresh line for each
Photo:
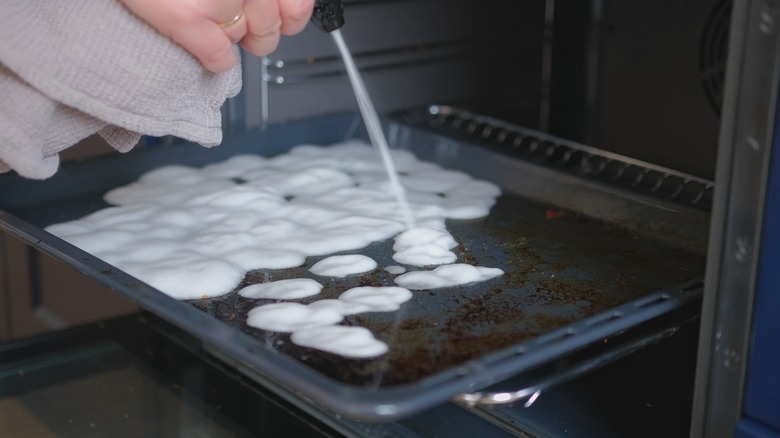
224,12
295,15
263,26
207,42
235,30
221,11
194,28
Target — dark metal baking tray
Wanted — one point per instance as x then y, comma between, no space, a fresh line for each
585,261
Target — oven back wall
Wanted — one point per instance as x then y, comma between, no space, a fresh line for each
486,56
644,79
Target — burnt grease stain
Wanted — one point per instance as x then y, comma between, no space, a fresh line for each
557,272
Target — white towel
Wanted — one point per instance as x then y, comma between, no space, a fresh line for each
69,69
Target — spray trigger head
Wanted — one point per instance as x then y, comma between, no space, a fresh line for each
328,15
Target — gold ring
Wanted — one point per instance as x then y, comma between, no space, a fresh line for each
232,21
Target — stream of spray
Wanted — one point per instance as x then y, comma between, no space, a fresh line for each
374,127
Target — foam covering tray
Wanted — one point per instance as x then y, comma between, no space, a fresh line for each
584,262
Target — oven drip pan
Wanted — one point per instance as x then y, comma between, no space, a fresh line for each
590,253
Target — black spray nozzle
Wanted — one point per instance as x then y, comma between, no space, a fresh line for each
328,15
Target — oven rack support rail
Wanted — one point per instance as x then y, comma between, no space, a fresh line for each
568,156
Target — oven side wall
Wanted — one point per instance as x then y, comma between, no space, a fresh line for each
746,140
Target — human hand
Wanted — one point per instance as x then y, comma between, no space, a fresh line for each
208,28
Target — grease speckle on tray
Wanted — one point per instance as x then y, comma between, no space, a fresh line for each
191,232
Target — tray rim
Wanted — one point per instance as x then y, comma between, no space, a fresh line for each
298,381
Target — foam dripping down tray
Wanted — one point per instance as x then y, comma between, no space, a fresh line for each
585,262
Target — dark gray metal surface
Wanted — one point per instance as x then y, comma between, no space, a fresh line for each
636,78
559,270
582,265
410,53
743,161
568,156
645,395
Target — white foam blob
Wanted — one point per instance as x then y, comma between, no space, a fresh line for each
282,289
446,276
235,166
343,265
474,188
435,180
192,232
349,341
291,317
470,200
395,269
427,254
99,241
378,299
424,246
466,208
341,306
163,191
250,257
188,278
423,235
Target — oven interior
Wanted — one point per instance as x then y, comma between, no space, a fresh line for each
607,110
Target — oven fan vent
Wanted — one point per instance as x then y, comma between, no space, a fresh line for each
574,157
713,50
